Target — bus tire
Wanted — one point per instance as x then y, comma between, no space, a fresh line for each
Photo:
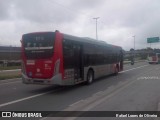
90,77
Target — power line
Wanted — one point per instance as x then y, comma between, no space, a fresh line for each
75,11
67,8
71,10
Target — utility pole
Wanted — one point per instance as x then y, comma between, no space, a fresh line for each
134,49
96,26
134,41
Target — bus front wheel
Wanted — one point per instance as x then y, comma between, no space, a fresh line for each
90,77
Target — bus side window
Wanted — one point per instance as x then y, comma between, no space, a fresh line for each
68,52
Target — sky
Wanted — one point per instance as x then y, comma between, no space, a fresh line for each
119,20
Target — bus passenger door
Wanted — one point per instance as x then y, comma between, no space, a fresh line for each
78,63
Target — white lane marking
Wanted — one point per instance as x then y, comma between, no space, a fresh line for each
26,98
98,93
133,69
76,102
158,107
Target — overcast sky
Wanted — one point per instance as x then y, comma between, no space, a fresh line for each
119,20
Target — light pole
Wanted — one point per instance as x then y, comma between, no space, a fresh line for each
134,41
96,27
134,48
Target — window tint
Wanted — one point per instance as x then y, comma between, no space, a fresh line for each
39,45
68,54
99,55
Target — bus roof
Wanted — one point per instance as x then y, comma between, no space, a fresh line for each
89,40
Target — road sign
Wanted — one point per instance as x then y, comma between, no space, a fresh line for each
153,40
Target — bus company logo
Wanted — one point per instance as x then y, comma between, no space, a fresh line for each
6,114
38,70
20,114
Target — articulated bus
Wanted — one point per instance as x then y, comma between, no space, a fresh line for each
61,59
154,58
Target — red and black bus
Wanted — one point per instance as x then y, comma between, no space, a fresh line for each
61,59
154,58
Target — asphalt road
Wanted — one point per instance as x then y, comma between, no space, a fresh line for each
135,89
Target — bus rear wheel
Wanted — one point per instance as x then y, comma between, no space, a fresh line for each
90,77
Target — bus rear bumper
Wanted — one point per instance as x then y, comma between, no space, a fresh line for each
55,80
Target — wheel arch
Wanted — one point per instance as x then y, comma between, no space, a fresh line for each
91,69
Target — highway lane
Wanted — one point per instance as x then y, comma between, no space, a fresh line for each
66,97
139,93
58,98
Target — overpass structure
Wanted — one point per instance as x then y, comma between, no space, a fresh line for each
10,55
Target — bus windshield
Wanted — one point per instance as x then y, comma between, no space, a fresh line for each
39,45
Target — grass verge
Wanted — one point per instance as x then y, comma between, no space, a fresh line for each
9,67
9,77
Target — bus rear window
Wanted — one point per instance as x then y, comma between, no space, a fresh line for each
39,45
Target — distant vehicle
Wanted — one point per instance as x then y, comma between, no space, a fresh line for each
132,55
132,62
154,58
57,58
